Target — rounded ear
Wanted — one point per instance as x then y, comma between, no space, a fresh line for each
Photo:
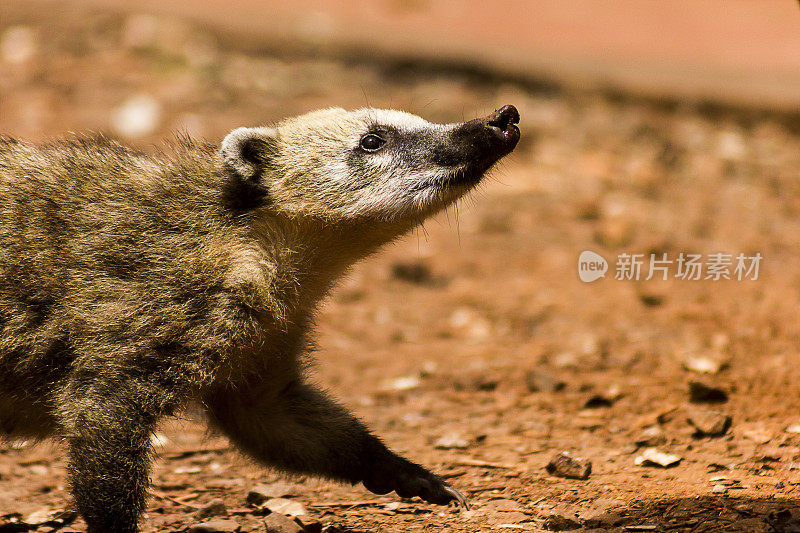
247,150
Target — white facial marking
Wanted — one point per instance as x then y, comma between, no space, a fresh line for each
325,171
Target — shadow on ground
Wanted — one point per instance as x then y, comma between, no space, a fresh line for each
704,514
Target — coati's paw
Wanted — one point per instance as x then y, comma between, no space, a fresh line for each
408,480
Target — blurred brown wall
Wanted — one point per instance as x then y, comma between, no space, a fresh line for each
740,50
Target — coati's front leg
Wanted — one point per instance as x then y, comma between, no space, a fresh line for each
301,430
108,424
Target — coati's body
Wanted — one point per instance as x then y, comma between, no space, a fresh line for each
132,285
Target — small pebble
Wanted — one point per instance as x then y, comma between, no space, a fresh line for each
39,470
403,383
263,492
452,441
39,517
651,437
309,524
278,523
709,423
284,506
55,518
703,365
215,507
758,436
566,466
654,457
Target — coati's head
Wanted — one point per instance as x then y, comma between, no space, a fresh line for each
368,164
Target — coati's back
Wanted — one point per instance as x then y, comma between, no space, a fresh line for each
102,251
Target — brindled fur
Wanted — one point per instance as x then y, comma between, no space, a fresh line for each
131,285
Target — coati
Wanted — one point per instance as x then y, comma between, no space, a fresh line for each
133,285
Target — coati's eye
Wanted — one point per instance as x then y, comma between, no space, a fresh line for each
371,142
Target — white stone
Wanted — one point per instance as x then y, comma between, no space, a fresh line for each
403,383
703,365
452,441
654,457
284,506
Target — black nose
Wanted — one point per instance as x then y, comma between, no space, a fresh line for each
502,125
481,141
503,118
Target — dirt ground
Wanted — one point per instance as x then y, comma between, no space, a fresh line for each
471,345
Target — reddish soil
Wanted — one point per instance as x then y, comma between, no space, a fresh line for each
445,333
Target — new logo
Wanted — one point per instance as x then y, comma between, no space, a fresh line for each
591,266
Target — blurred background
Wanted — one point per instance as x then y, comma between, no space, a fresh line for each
471,345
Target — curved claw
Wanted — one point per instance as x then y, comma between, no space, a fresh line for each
457,496
408,480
